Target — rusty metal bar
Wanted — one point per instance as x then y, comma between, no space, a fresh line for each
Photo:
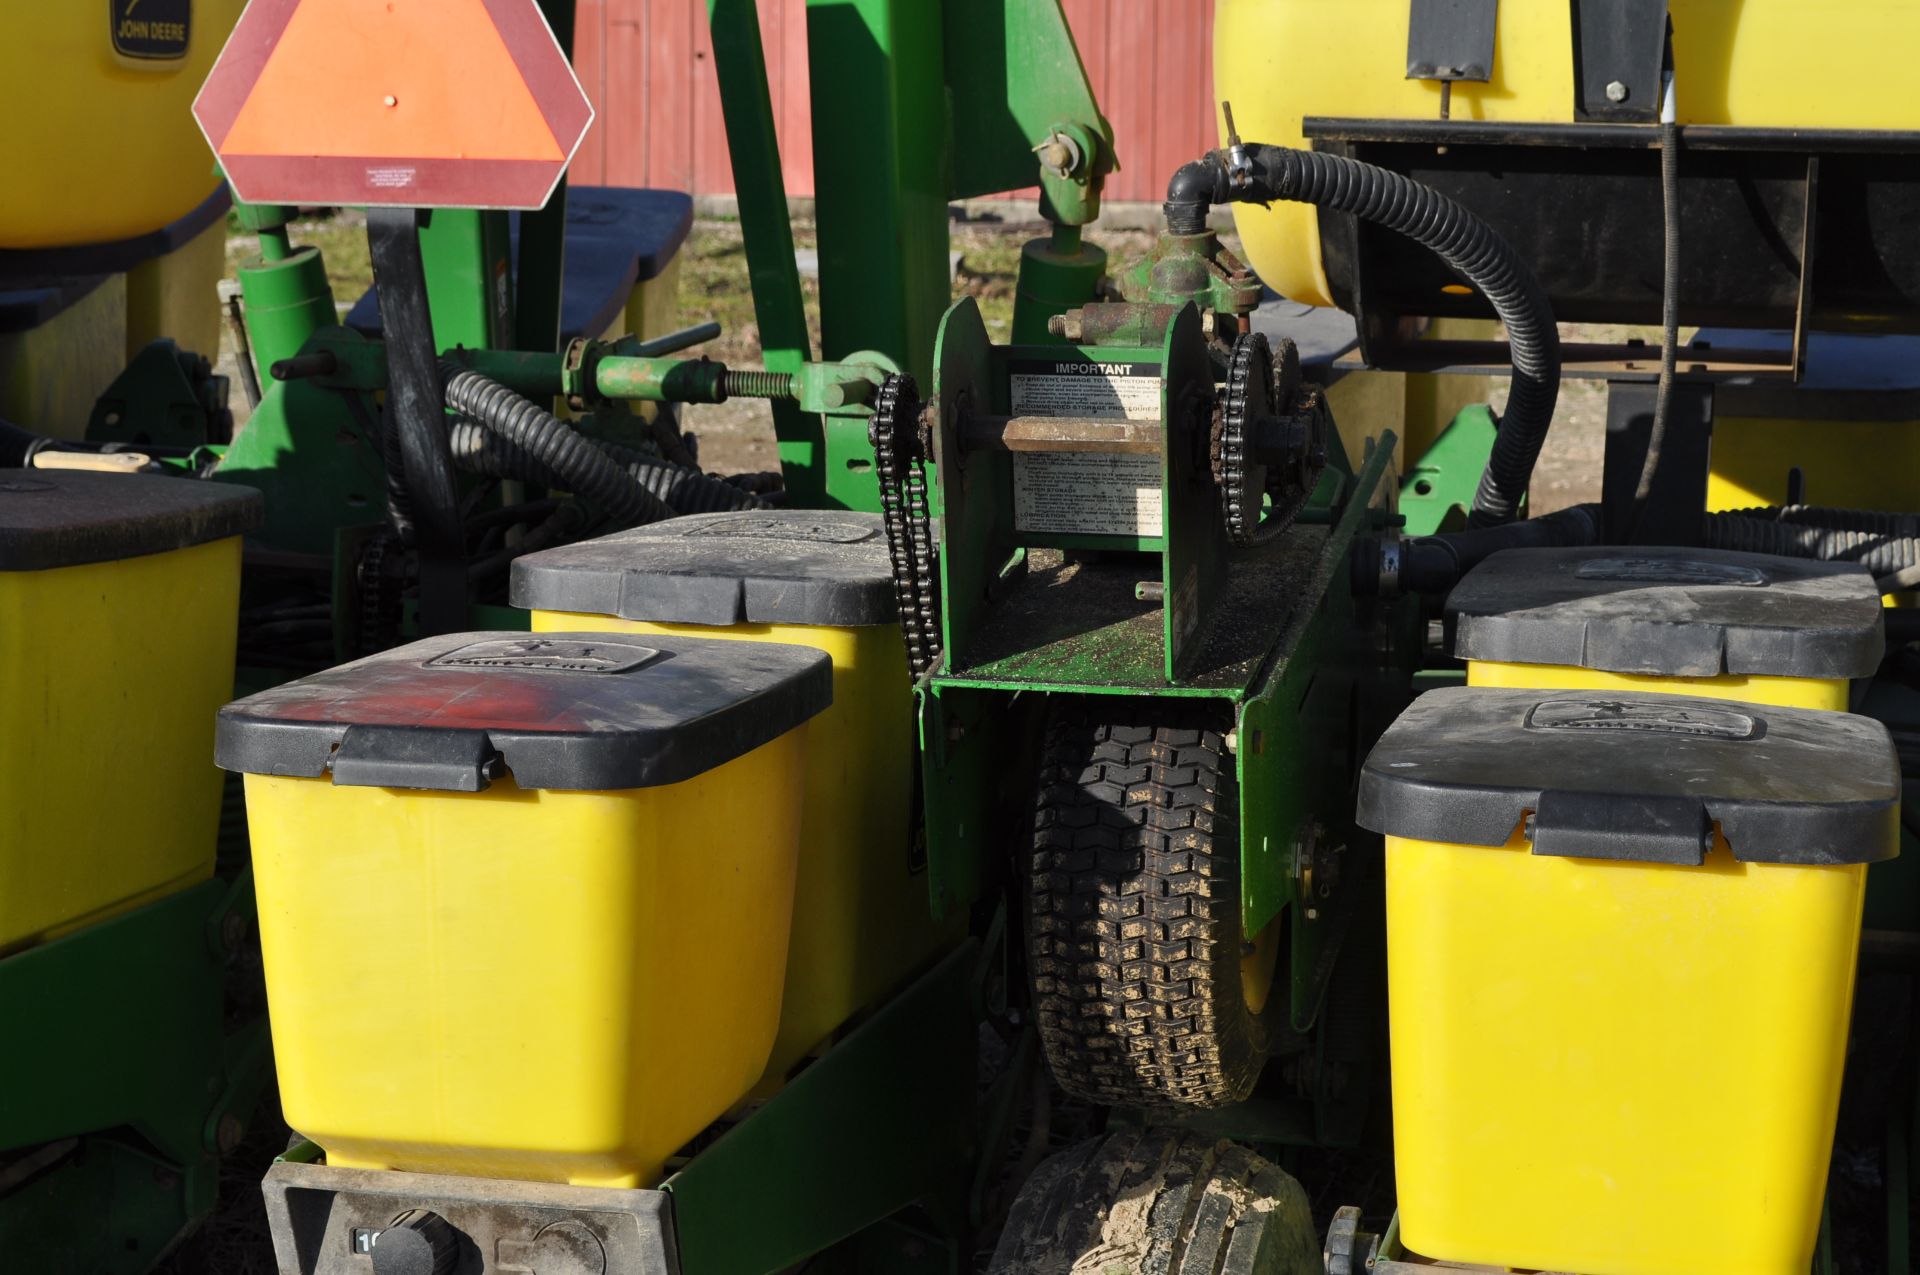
1061,434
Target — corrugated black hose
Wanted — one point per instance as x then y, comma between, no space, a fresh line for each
1891,550
684,489
564,456
688,489
1886,544
1471,247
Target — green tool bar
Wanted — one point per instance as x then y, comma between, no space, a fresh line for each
592,372
663,380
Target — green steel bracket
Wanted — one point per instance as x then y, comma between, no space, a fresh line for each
102,1206
166,396
746,106
881,180
129,1043
1439,486
262,217
1022,104
1197,268
286,298
467,255
128,1029
312,451
973,754
1340,676
883,1120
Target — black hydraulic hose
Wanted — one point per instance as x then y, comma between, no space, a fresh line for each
556,447
1882,553
686,488
681,488
1669,311
1879,522
1258,173
1433,564
1886,544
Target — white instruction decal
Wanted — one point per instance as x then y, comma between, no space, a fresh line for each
1087,493
1084,387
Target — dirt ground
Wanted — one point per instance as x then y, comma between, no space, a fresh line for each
738,436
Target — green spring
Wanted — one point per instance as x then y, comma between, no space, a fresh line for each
758,384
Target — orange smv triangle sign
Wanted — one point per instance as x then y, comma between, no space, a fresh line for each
417,103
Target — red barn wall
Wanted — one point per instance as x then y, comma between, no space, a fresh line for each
648,66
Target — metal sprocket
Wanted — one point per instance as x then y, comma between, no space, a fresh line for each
1269,439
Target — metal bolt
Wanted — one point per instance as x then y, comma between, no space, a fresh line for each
1209,324
956,732
391,100
233,926
229,1133
1616,92
1059,155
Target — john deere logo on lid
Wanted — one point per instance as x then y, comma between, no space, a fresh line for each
548,654
1674,718
1668,571
760,527
154,30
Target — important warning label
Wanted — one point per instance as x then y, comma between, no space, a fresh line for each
1083,387
1087,493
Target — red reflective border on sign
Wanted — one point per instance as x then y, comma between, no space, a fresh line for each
401,183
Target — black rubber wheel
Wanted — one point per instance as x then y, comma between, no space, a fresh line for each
1145,990
1158,1202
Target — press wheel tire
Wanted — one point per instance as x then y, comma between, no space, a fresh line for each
1141,988
1158,1202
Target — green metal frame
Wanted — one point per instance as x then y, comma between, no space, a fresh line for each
926,102
1438,489
1331,668
129,1082
882,1122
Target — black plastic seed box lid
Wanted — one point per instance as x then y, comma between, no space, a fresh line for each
557,710
822,567
1670,612
67,517
1635,776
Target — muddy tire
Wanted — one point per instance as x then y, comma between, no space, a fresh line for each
1158,1202
1134,942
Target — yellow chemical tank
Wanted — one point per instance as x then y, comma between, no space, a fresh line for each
524,900
101,143
1621,938
119,595
809,578
1751,63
